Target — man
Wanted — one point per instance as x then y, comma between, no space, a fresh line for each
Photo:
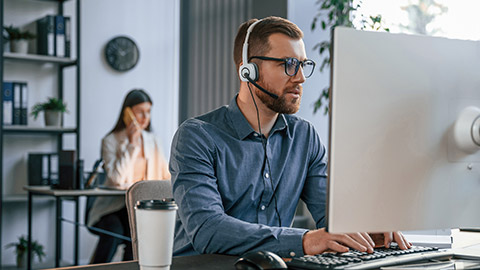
237,190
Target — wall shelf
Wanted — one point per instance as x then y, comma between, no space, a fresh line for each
19,68
37,130
36,58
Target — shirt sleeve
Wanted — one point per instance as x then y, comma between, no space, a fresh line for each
208,227
118,164
315,189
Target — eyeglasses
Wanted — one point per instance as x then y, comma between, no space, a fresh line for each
292,65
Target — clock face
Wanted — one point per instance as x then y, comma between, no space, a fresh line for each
122,53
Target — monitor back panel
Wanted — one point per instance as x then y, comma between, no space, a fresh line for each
393,164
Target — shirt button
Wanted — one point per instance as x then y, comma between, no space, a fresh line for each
262,207
292,254
267,175
255,134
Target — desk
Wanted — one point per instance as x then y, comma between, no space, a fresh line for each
60,195
225,262
197,262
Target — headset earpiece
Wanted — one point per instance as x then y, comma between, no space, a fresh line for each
248,71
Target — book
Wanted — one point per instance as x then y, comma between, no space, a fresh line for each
59,36
7,103
17,101
68,36
24,104
46,35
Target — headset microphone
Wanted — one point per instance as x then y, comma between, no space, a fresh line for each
249,71
262,89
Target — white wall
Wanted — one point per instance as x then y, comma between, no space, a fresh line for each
301,12
154,26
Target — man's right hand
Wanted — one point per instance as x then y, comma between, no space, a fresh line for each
319,241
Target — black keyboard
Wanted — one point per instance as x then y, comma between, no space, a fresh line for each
363,260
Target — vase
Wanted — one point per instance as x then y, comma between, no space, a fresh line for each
19,46
22,260
53,118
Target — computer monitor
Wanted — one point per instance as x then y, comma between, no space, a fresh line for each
403,153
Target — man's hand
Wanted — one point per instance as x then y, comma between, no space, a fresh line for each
319,241
385,239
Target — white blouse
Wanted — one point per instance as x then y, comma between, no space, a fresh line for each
121,168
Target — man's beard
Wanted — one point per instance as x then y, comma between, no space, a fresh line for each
281,104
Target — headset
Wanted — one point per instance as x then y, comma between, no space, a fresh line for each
248,72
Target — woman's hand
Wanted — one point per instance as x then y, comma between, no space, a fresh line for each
134,133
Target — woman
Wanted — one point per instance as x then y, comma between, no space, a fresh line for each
131,153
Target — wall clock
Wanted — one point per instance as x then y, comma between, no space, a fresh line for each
122,53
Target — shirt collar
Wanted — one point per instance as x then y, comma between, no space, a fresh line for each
243,128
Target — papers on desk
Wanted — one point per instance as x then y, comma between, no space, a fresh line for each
442,265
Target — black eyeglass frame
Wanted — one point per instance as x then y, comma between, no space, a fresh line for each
285,60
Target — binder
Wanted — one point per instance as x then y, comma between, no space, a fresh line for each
59,36
67,170
42,169
24,104
17,102
46,35
7,103
68,36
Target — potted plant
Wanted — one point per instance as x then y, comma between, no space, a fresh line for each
21,249
338,13
53,110
18,39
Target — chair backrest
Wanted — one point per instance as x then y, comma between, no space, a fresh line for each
144,190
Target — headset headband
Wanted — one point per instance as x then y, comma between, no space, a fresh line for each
245,44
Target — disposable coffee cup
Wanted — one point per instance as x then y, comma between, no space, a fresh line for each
155,231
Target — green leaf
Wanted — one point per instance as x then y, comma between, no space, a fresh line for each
52,103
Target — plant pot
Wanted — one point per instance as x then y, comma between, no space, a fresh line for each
22,260
19,46
53,118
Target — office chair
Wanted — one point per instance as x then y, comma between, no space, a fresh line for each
144,190
95,178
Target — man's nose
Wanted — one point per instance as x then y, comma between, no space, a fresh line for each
300,76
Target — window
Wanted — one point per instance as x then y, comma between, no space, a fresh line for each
444,18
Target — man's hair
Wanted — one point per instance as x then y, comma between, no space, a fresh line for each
258,41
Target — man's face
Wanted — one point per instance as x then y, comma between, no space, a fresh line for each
272,75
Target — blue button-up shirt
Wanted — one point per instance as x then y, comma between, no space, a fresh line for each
230,201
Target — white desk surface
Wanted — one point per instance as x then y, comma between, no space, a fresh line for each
465,239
